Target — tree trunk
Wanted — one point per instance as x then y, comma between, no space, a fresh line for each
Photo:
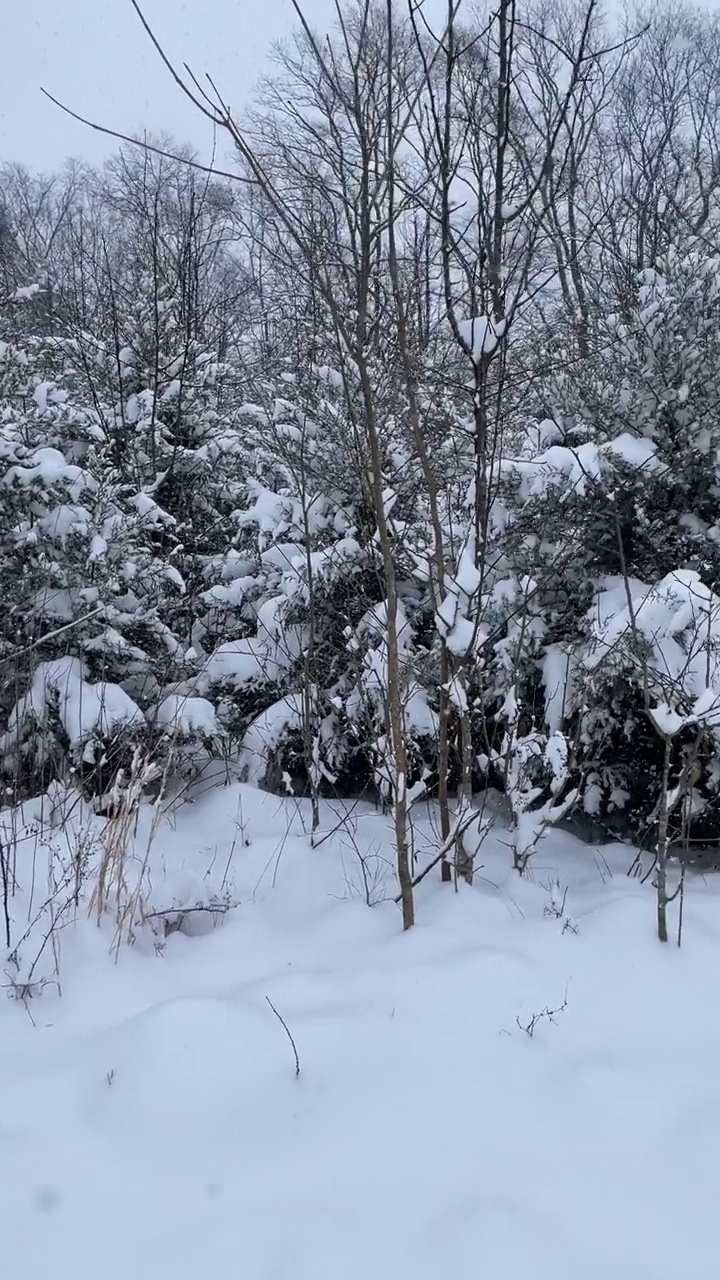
444,761
463,859
662,846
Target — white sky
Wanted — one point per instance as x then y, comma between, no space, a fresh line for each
94,55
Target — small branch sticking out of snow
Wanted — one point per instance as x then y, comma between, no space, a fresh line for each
547,1014
288,1033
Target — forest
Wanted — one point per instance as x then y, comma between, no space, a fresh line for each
380,457
360,642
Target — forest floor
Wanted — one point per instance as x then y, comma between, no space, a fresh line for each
526,1084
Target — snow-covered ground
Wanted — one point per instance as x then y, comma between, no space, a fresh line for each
152,1124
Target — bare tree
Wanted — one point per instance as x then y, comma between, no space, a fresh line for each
497,169
323,164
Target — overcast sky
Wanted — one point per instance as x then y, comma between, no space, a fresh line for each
93,55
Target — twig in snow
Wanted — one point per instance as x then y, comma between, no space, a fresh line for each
209,908
288,1033
5,869
547,1012
680,892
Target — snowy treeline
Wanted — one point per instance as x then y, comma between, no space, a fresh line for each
393,466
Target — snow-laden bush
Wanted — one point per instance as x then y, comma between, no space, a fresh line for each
65,724
89,582
607,518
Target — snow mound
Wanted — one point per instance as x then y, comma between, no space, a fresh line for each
160,1092
186,1052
